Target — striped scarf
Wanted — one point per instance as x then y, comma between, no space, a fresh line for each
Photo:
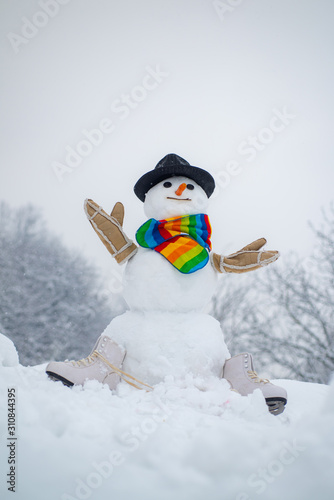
183,241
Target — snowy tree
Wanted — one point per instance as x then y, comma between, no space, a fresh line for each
284,314
50,306
232,305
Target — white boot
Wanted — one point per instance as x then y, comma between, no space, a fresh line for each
99,365
239,372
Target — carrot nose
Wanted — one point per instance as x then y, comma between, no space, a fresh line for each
181,188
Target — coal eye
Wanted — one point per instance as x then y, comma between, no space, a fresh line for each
190,186
167,184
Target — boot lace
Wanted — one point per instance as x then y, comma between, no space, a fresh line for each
84,361
254,376
124,376
138,384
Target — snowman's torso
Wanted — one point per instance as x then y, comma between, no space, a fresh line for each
152,283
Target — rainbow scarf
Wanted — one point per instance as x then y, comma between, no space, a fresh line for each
183,241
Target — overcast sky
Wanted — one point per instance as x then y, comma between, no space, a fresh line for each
243,89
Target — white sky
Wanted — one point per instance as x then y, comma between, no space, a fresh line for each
225,77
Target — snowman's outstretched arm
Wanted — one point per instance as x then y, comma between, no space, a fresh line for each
247,259
110,231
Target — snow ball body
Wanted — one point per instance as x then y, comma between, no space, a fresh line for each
160,343
165,332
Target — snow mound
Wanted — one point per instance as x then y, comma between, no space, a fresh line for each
189,438
8,352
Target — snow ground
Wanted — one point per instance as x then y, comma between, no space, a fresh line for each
188,439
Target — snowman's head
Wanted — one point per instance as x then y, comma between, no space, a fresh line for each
173,188
175,196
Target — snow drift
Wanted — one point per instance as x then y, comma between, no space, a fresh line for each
189,438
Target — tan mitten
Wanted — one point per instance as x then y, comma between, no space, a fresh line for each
247,259
109,230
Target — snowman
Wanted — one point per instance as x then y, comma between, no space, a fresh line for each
170,276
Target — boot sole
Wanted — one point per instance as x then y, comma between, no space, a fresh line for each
56,378
276,406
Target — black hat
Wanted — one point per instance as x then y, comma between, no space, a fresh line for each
170,166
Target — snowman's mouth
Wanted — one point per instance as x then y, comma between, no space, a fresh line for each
178,199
